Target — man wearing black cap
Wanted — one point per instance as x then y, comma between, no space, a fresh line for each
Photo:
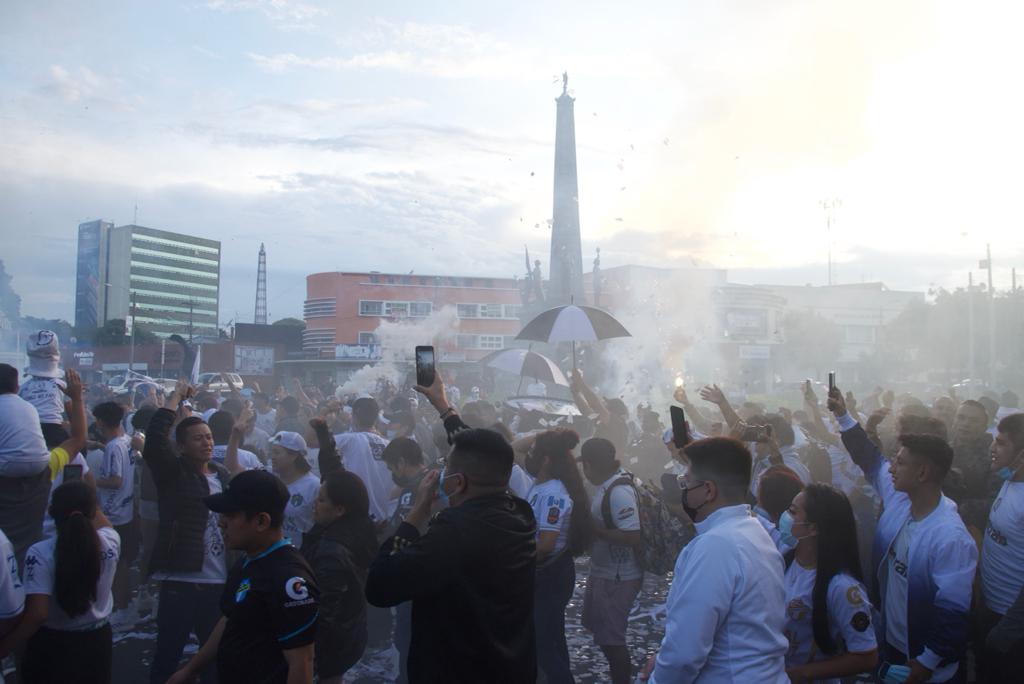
270,599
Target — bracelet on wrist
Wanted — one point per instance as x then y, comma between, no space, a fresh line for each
447,413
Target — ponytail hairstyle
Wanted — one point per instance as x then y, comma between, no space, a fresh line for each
830,511
77,553
555,447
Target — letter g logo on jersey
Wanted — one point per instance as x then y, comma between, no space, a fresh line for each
296,588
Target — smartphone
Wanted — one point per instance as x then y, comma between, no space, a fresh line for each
425,371
680,435
756,433
72,473
831,381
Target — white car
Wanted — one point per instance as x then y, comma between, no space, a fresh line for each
219,381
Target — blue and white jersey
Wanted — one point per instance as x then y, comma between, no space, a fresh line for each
552,507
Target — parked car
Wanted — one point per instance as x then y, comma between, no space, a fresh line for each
219,381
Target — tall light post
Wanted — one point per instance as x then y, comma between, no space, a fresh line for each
830,206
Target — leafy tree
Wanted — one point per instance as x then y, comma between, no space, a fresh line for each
290,321
57,325
111,334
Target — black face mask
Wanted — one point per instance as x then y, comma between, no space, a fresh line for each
692,512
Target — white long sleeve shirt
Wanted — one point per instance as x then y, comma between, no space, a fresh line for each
726,608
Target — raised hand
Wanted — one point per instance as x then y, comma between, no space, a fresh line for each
72,383
713,394
836,403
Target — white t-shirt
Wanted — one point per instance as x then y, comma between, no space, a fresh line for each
896,588
49,527
41,567
520,482
360,453
790,459
46,395
118,460
23,450
608,561
1002,551
246,459
12,594
552,508
215,566
267,421
849,617
298,514
260,441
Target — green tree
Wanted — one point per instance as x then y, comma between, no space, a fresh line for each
57,325
290,321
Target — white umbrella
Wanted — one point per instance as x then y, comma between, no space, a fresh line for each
526,363
572,323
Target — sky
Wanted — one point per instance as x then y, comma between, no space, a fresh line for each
412,136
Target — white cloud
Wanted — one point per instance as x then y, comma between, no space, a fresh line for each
286,14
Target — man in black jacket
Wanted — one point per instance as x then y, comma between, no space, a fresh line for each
189,556
470,577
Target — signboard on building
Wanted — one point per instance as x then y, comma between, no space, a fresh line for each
364,352
755,351
84,359
254,360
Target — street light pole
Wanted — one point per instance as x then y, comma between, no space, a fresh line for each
131,353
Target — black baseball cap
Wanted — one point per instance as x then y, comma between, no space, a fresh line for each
252,491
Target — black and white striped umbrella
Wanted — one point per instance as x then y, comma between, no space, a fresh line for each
572,323
527,364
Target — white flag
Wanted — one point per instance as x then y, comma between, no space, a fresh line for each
194,378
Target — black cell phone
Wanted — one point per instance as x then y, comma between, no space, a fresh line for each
756,433
831,381
72,473
680,435
425,371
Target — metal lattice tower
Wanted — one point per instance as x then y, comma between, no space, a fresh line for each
261,289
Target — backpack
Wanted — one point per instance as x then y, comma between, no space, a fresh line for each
664,535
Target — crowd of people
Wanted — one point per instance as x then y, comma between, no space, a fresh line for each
291,532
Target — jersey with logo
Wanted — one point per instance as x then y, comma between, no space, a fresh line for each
270,601
552,507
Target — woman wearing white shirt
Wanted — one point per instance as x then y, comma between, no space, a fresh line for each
68,597
564,530
828,616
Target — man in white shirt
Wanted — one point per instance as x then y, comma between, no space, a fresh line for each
221,423
12,594
615,576
266,417
24,471
361,453
115,483
726,607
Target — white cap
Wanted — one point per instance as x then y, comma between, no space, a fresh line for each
43,349
292,441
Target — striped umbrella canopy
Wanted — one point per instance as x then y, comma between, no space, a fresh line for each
526,363
572,323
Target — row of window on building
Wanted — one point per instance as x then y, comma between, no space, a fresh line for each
431,281
327,307
314,339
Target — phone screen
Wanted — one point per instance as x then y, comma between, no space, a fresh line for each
425,366
680,435
831,380
72,472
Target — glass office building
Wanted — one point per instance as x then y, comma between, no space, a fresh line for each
174,278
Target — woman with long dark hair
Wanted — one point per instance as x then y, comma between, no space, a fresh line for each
68,597
564,530
340,548
827,610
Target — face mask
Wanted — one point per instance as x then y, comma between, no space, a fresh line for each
1006,473
692,512
441,494
895,674
785,527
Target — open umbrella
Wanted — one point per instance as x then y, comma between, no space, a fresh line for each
526,363
572,323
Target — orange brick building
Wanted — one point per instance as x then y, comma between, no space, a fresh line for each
342,312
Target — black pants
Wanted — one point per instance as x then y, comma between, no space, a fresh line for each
55,656
552,591
54,435
990,666
184,607
22,507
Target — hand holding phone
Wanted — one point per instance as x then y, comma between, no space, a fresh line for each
831,381
72,473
